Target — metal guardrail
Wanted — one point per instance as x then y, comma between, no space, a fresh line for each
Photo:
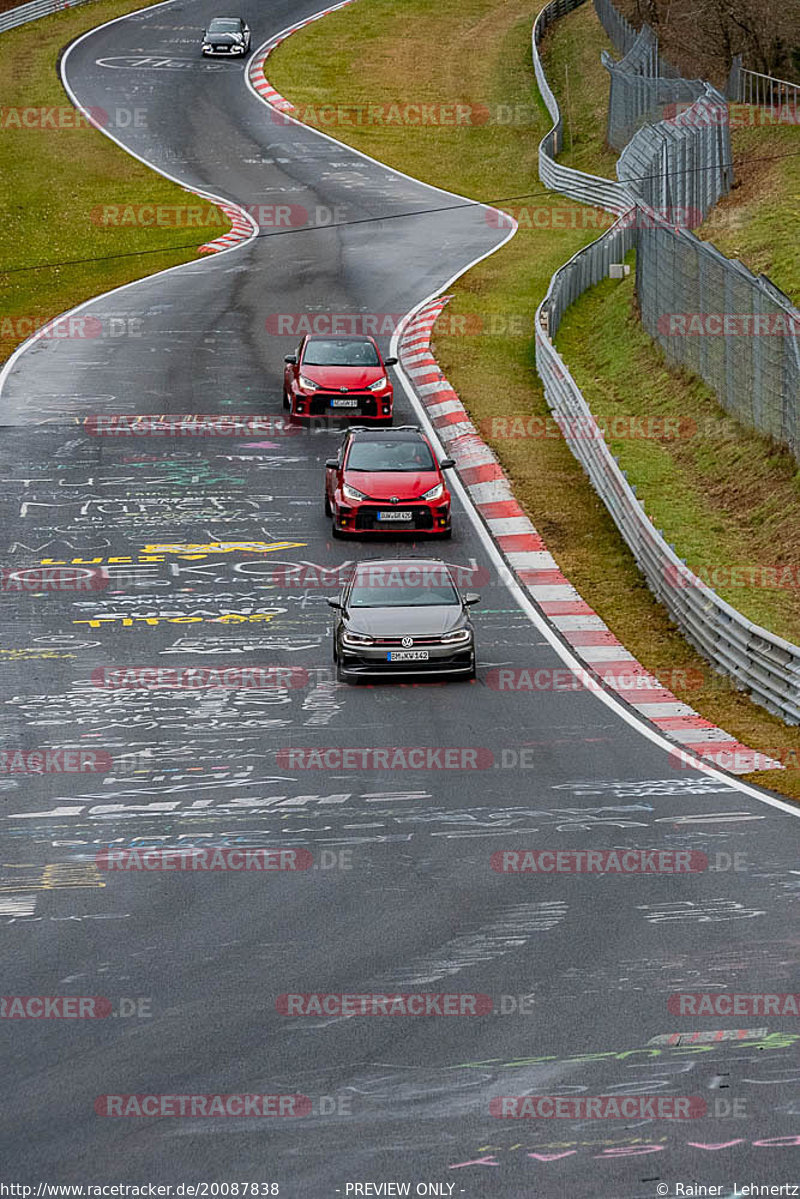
589,189
766,665
31,12
764,91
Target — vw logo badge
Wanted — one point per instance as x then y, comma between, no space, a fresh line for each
408,641
342,389
394,499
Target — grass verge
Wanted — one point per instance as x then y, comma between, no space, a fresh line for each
382,56
60,172
758,221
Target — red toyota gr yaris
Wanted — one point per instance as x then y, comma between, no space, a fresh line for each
338,377
387,482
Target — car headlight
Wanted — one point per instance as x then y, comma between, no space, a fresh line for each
352,493
378,385
356,639
307,384
457,637
435,492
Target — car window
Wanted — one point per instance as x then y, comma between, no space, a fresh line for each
390,586
340,353
390,454
224,26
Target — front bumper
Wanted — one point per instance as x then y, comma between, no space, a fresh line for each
362,519
225,51
372,662
368,406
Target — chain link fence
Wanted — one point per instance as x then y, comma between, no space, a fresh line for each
738,332
683,165
644,86
675,268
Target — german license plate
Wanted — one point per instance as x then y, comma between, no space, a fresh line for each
344,403
395,514
407,655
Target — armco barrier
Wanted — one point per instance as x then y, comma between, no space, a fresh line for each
589,189
682,165
765,665
31,12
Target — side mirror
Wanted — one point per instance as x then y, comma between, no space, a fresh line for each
390,362
291,359
332,464
447,463
334,603
471,598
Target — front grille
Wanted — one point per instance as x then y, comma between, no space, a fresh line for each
367,518
321,404
397,642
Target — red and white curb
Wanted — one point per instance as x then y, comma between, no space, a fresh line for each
243,226
537,571
255,69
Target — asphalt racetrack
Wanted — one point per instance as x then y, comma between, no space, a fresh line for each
402,896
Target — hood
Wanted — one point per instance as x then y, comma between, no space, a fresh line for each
354,378
401,622
224,39
382,484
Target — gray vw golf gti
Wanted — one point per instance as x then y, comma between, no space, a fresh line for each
397,617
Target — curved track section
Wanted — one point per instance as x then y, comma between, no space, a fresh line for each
228,532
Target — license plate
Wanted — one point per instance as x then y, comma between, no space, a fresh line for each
407,655
344,403
394,514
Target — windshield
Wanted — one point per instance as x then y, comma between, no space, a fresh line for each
340,353
222,26
394,455
421,586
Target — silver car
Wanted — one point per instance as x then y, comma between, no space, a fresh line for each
399,617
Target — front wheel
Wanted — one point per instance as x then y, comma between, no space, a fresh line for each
328,509
286,404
